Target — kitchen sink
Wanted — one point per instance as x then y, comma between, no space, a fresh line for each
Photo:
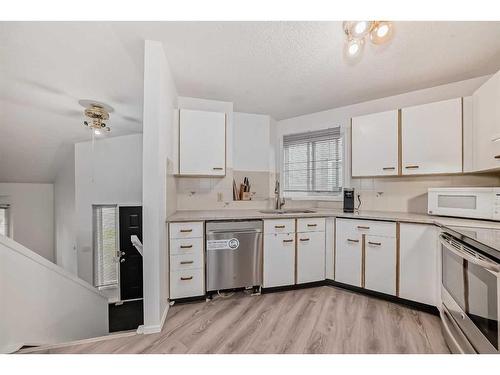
288,211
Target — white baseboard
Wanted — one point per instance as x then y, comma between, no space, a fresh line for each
78,342
156,328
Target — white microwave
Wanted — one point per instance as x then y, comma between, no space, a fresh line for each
474,203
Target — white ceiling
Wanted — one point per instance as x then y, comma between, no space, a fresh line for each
279,68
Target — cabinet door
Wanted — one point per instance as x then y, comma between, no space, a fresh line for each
202,143
432,138
486,120
380,264
375,144
310,257
419,279
279,259
347,254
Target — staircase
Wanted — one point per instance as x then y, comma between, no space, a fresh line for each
42,304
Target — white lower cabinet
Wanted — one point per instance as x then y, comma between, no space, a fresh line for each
419,256
380,264
294,257
365,254
279,259
347,255
310,250
187,266
310,257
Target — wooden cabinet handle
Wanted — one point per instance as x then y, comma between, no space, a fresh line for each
187,278
411,167
374,243
312,225
352,240
363,227
388,168
217,168
186,246
186,230
287,240
279,226
304,239
497,156
187,262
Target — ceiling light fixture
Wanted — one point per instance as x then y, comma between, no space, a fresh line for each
96,113
356,31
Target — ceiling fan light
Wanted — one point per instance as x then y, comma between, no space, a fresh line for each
359,29
382,32
353,48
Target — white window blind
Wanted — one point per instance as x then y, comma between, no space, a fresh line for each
105,245
313,162
4,220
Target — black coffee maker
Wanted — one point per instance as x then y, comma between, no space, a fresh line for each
348,200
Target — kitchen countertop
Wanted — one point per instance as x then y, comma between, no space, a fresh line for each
229,214
483,231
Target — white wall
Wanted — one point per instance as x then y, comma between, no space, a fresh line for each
64,213
111,173
160,100
31,215
44,304
398,193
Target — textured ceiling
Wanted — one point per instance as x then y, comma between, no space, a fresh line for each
283,69
287,69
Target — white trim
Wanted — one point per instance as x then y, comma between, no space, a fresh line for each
146,330
79,342
22,250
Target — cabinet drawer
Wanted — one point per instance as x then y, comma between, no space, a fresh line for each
376,228
186,230
316,224
187,261
186,283
279,226
186,245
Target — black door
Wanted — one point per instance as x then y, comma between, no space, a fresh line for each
131,259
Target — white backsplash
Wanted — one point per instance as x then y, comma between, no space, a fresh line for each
407,194
400,194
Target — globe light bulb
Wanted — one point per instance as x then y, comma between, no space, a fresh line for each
381,33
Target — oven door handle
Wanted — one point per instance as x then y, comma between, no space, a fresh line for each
491,266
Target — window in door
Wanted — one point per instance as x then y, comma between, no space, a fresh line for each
105,234
4,220
313,163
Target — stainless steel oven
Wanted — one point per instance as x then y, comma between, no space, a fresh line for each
470,297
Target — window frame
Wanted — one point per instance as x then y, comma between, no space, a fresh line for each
7,209
323,196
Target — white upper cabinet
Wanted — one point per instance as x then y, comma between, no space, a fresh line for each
202,143
375,144
486,125
432,138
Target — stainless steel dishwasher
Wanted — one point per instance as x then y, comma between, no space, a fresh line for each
234,254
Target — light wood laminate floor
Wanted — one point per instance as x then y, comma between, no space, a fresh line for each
315,320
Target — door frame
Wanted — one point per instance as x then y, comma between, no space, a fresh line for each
118,245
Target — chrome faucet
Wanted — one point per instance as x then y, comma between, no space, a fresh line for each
278,201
